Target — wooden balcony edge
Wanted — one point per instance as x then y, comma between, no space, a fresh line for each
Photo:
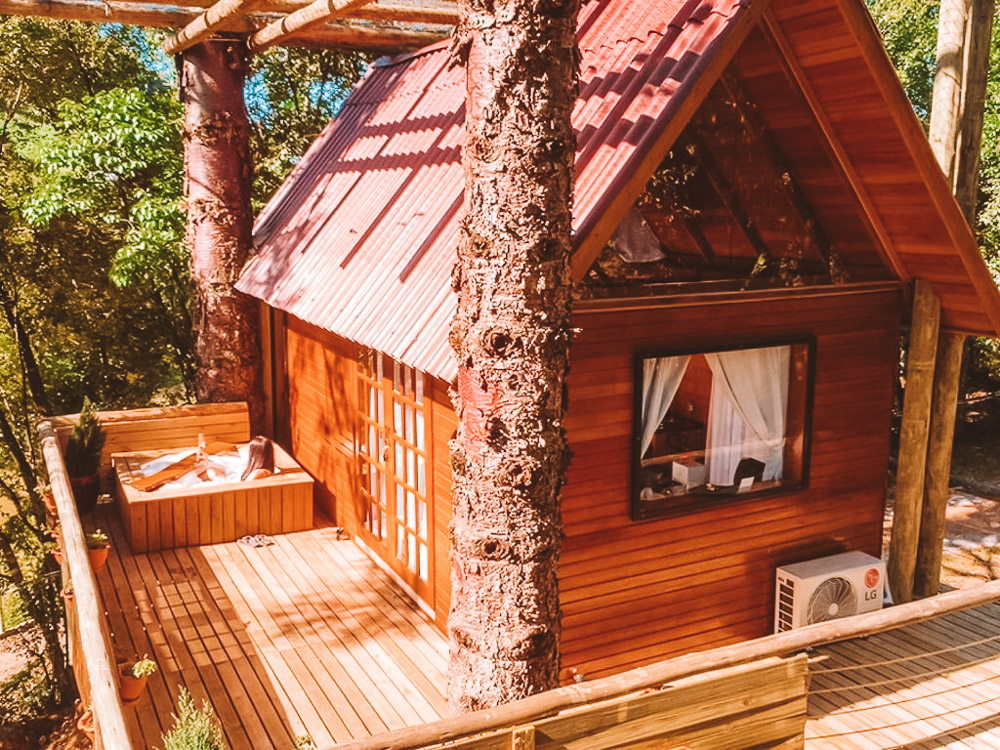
105,700
528,711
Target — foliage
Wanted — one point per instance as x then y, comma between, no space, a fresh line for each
194,728
144,667
96,540
23,694
83,449
291,97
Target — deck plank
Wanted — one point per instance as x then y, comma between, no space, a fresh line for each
944,690
306,636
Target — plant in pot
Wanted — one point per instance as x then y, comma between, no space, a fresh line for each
48,499
86,723
133,679
67,591
83,457
97,550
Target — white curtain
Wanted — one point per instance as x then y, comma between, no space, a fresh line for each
746,417
661,377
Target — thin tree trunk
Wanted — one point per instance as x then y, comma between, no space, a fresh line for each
511,336
217,174
29,363
963,53
50,632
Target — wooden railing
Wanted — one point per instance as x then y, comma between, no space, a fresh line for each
622,702
91,653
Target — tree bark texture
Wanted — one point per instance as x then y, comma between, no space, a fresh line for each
913,442
511,336
217,174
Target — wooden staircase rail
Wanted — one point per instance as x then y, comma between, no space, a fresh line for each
90,623
528,711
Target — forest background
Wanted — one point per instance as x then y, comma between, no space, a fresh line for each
94,287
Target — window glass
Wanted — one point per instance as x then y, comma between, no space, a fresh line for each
715,426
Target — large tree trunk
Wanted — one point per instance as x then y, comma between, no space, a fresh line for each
511,335
217,174
963,54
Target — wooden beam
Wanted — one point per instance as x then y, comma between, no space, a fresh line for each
755,123
219,17
136,14
530,710
947,376
313,14
796,75
357,37
442,15
697,237
913,434
730,199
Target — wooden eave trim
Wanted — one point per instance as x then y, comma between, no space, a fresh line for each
350,36
696,299
863,29
219,17
313,14
798,78
684,103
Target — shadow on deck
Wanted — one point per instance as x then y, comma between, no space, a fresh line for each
303,637
931,685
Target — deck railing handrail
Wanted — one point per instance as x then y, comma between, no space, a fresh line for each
99,664
529,710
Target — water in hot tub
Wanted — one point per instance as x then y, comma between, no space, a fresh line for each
227,467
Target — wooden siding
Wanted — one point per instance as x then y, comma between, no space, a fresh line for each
706,579
321,414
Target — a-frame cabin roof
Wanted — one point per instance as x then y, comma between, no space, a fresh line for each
361,239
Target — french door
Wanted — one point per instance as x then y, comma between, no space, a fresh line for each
393,461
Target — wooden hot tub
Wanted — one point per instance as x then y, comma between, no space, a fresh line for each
213,511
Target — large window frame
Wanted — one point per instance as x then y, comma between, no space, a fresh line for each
682,503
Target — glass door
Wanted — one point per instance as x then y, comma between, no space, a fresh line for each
393,458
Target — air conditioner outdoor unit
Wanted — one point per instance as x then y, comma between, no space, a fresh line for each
827,588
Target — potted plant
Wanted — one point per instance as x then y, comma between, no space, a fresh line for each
67,592
133,679
193,727
97,550
48,498
86,723
83,457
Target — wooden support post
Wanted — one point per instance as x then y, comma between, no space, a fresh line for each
522,738
947,372
913,441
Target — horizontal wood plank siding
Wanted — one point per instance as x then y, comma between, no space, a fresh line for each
322,411
322,404
705,579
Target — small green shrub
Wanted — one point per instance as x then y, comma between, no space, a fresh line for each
83,449
194,728
96,540
144,667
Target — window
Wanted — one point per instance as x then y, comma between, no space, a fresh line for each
719,426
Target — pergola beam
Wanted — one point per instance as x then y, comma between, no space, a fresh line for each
357,37
220,17
313,14
138,14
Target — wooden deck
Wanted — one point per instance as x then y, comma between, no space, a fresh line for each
306,636
932,685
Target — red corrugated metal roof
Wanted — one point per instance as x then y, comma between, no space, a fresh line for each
361,239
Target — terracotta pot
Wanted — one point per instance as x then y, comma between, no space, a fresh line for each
86,724
50,505
85,492
57,555
130,688
98,558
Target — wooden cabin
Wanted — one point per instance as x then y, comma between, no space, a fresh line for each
754,200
